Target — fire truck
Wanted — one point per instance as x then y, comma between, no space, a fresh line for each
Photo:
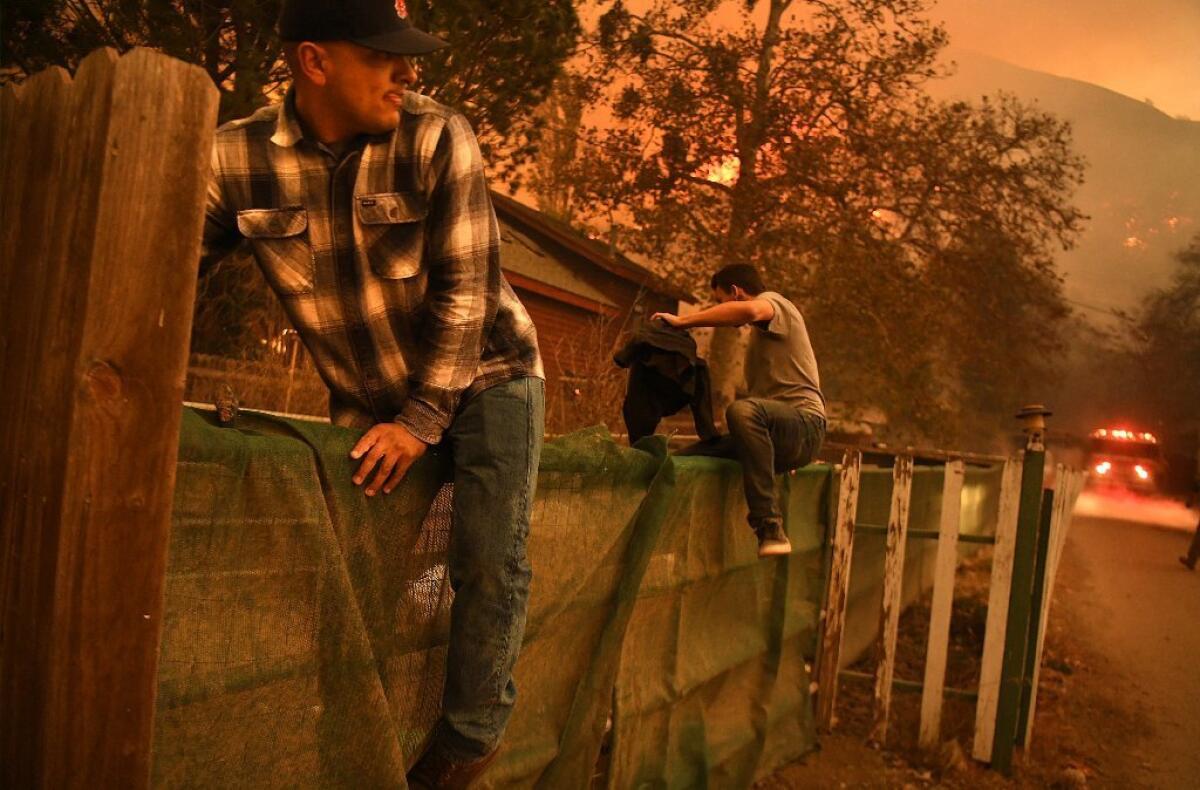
1123,458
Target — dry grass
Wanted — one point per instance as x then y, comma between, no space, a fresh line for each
259,384
584,386
1080,714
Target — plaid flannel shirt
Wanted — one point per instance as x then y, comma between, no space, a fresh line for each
387,261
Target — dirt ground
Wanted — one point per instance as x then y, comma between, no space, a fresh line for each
1084,734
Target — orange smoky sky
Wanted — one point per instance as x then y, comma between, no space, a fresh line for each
1145,49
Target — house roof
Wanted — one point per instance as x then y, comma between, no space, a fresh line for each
521,253
594,251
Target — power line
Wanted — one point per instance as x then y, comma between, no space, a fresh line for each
1110,311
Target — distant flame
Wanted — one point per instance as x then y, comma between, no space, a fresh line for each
724,172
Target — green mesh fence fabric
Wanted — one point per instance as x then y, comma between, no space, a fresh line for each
305,625
595,519
712,688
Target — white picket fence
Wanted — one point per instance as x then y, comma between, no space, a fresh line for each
1069,483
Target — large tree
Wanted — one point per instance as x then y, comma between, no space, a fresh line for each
561,116
503,58
800,138
233,40
1167,345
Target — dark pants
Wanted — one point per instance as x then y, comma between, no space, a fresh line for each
768,437
496,441
651,395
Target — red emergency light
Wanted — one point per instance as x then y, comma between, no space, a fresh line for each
1124,435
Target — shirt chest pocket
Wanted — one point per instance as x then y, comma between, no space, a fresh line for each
280,241
392,225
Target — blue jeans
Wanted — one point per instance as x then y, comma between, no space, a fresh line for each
768,437
496,442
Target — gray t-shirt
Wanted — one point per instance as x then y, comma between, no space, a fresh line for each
780,364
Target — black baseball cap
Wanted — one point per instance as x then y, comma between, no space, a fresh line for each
377,24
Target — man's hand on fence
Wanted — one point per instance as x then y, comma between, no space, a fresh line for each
666,318
390,449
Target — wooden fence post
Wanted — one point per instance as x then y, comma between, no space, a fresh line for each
941,606
1016,634
997,614
893,585
834,615
104,181
1040,571
1070,483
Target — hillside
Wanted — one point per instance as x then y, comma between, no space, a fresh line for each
1143,180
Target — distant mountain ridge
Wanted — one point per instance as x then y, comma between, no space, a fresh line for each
1142,187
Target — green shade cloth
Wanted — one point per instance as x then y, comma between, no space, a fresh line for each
713,689
305,623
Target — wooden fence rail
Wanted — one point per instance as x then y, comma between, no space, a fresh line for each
103,180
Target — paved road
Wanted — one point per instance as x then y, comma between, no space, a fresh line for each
1141,609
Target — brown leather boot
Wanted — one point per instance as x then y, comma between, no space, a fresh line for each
437,771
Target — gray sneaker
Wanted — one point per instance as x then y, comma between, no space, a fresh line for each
772,540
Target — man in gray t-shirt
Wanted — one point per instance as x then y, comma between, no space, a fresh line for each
781,424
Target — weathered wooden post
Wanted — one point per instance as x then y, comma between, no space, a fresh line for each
892,602
1016,634
103,181
1040,567
942,606
834,615
1068,484
992,660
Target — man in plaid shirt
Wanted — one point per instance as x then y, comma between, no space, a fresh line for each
367,208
